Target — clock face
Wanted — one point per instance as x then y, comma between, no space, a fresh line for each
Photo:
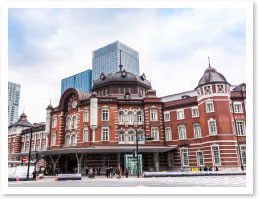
74,104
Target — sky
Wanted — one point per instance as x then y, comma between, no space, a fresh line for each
47,45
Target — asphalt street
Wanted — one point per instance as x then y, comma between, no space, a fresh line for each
100,181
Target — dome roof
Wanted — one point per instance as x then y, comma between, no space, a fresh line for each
211,76
121,76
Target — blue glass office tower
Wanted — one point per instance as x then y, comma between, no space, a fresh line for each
107,59
81,81
14,91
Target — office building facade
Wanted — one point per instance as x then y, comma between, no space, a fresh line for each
81,81
13,102
107,59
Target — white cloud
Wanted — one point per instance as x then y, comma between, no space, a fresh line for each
173,48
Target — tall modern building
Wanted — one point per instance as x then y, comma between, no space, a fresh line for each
107,59
81,81
13,102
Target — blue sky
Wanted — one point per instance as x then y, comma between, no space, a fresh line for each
46,45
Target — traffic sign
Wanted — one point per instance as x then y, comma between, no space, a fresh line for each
25,159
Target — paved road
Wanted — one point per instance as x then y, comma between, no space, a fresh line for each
197,181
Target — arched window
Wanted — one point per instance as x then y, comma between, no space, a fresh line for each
131,136
70,123
67,140
74,122
73,140
139,117
121,113
85,134
141,134
130,116
121,136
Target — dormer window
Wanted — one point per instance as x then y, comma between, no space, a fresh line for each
124,73
207,90
102,76
220,88
143,77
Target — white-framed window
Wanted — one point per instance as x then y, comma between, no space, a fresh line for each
207,90
68,122
67,140
54,122
182,132
168,134
234,126
197,130
74,122
212,127
27,137
184,157
155,133
220,88
105,114
238,107
85,134
22,139
53,139
86,115
130,117
105,133
200,158
73,140
9,140
13,148
167,116
43,146
27,148
243,153
153,114
230,106
139,117
38,147
209,107
131,136
195,111
180,114
241,128
141,134
121,115
121,136
216,155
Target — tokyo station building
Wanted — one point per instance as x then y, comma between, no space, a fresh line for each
198,128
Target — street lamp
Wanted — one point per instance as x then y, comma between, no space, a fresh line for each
141,139
29,161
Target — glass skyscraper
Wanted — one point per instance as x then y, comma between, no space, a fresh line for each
81,81
14,91
107,59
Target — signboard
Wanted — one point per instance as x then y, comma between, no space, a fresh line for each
24,159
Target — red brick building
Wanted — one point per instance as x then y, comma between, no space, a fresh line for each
198,128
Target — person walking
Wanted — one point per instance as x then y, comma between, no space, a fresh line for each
111,172
86,171
107,172
98,171
127,172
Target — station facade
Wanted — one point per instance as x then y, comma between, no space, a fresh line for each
193,129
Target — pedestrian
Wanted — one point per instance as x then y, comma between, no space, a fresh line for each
94,170
217,169
98,171
205,168
210,168
86,171
111,172
200,169
127,172
107,172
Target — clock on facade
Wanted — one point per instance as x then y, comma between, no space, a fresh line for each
74,104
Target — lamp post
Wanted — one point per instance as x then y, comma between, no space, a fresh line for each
141,139
29,161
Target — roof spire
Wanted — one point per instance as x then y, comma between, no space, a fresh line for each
209,62
120,62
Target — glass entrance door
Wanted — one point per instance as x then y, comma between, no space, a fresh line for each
131,163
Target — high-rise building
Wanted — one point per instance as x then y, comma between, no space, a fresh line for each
13,102
107,59
81,81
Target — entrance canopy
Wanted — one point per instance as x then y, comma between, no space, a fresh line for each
103,149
